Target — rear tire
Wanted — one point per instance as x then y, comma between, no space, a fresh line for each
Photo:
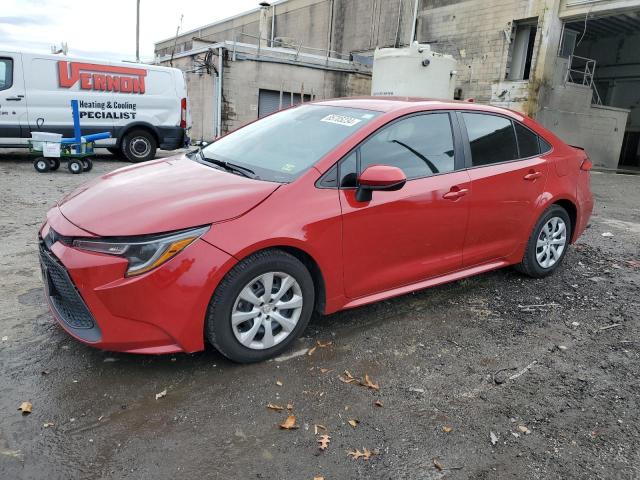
139,146
42,164
54,163
75,166
548,243
87,164
291,285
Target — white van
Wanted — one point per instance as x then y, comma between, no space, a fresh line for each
144,107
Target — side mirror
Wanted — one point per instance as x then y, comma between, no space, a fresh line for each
379,177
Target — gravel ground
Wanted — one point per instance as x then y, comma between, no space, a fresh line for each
547,368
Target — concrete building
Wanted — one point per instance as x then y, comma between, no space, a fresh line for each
569,63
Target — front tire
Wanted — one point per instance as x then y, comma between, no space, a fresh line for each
260,307
139,146
548,243
42,164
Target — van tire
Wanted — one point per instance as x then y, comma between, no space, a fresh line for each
139,146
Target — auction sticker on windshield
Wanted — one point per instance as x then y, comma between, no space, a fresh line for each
341,120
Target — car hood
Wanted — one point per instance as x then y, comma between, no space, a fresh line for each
160,196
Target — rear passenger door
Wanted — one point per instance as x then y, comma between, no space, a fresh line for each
507,177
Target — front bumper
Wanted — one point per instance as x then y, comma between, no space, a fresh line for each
161,311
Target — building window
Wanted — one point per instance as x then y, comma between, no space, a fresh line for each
568,43
270,101
521,51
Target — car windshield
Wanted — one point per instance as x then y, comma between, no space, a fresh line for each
282,146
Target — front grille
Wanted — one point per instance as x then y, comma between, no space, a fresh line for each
63,294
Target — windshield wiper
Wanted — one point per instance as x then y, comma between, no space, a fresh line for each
232,167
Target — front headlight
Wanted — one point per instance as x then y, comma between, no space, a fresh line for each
143,253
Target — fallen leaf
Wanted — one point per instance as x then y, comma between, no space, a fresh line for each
369,383
633,263
437,464
524,429
311,350
354,423
323,345
289,406
324,370
365,454
447,429
324,441
279,383
163,393
25,408
318,478
347,377
277,408
378,403
493,437
289,423
319,427
48,424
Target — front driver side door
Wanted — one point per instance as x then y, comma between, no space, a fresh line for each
417,232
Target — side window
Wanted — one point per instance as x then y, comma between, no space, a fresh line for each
544,146
421,145
491,138
528,144
347,171
6,73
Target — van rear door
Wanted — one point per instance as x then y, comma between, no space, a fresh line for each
13,106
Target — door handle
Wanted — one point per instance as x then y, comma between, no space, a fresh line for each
455,193
532,175
15,99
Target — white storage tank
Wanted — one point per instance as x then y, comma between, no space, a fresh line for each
415,71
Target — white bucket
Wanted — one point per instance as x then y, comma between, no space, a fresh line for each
39,137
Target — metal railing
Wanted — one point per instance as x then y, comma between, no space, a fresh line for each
581,71
297,47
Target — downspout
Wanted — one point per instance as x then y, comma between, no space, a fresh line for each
219,94
414,22
329,31
273,25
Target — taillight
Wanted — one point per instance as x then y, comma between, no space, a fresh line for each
586,165
183,113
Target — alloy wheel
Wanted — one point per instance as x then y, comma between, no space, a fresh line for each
551,242
266,310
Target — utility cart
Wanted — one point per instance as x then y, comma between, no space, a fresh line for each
49,148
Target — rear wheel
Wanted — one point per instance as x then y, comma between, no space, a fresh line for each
139,146
548,243
41,164
262,305
87,164
75,166
54,163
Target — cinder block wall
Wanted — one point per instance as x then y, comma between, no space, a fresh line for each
476,33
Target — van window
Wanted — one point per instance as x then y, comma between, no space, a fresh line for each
6,73
491,138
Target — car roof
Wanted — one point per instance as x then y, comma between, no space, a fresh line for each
391,104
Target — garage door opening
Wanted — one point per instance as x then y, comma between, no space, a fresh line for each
603,52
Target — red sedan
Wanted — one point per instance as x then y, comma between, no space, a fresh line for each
321,207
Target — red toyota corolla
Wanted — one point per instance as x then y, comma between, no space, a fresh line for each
321,207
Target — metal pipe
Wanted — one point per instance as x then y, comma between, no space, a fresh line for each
414,22
273,24
219,94
329,31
